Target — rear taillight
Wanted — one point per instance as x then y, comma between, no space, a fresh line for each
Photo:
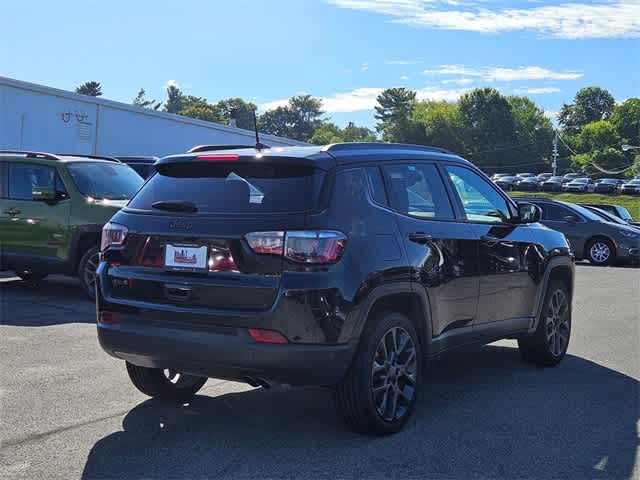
267,336
309,246
112,234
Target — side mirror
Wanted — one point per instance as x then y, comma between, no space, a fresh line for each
572,219
43,193
529,213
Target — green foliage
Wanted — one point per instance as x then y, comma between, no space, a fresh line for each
238,109
353,133
299,119
91,88
174,100
394,112
142,101
440,124
330,133
626,120
589,105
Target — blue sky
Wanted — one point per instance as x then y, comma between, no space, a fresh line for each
344,51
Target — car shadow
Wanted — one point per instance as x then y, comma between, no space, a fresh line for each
55,300
482,413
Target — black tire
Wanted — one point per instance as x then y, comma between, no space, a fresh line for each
88,263
363,409
600,251
31,277
157,383
548,345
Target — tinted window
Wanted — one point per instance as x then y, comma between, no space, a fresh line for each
241,188
24,177
376,185
112,181
555,213
480,200
417,190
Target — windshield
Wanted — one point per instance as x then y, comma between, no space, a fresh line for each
585,212
608,180
580,180
607,216
101,180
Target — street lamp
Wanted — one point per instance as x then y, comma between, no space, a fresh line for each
626,148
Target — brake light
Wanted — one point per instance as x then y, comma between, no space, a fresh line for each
218,158
267,336
267,243
315,247
113,234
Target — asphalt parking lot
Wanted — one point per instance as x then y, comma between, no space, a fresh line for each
69,411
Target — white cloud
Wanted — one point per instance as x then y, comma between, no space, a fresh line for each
365,98
538,90
403,62
171,83
571,20
504,74
404,78
458,81
365,66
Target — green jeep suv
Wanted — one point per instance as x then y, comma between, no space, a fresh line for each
53,208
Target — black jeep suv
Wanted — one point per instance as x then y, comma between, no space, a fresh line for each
346,266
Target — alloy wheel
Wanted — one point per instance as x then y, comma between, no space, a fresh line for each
393,374
557,323
600,252
90,271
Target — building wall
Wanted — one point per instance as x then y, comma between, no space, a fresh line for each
33,117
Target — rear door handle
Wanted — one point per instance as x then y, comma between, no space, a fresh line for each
12,211
420,237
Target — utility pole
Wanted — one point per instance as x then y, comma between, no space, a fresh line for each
555,153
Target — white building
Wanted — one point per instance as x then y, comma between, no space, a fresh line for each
34,117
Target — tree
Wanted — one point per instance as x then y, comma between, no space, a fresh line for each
441,124
238,109
354,133
299,119
626,120
393,112
533,131
174,101
142,101
327,133
589,105
488,128
91,88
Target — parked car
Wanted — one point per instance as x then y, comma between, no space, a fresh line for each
53,208
579,185
632,187
609,217
359,263
607,185
529,184
591,238
544,176
617,210
571,176
553,184
496,176
526,175
506,183
141,164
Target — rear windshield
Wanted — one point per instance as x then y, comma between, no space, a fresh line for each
238,188
101,180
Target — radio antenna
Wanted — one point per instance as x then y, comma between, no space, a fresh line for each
259,146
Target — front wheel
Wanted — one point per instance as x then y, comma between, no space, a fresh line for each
164,383
548,345
379,393
87,271
600,252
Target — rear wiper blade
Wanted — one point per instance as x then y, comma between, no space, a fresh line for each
171,206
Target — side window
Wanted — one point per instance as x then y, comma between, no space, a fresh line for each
376,185
61,190
23,177
417,190
480,201
3,180
555,213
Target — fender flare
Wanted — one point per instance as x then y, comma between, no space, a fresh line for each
554,263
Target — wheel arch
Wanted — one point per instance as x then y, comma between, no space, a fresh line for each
84,237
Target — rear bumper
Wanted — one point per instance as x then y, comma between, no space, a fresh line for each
222,352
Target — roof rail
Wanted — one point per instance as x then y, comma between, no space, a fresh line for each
29,154
357,146
96,157
212,148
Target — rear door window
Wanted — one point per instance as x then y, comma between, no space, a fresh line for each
24,177
239,188
417,190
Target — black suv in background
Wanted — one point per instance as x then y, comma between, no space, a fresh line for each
346,266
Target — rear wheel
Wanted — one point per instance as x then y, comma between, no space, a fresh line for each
548,345
600,251
164,383
379,393
87,271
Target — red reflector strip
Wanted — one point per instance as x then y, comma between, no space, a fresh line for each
108,318
218,158
267,336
